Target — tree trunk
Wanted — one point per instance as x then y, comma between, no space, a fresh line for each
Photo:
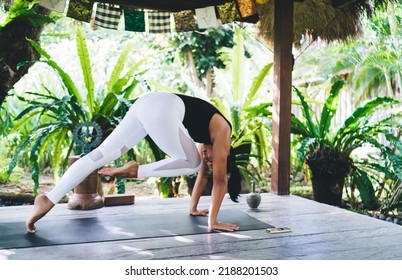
193,71
393,22
16,53
209,82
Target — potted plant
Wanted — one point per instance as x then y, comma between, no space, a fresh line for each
329,168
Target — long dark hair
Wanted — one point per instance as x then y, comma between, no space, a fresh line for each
234,183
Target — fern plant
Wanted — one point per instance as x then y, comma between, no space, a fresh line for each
328,152
58,116
23,10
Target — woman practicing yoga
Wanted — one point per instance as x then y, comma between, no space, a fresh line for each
174,122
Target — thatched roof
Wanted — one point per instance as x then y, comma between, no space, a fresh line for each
318,18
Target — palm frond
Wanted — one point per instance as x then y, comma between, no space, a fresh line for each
83,55
67,81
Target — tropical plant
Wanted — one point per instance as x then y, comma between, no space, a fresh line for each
200,53
249,133
5,161
393,201
371,64
57,116
329,151
391,185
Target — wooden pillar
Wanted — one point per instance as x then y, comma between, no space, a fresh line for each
283,64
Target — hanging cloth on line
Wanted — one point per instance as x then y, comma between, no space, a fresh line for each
54,5
134,20
107,16
80,10
248,11
206,17
159,22
228,12
184,21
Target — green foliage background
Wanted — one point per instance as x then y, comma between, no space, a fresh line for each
88,74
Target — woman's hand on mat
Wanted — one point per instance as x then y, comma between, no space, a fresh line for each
224,227
199,212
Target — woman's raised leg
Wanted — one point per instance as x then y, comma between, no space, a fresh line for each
125,136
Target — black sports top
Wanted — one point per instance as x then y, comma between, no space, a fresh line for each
198,115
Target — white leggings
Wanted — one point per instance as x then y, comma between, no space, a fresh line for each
159,115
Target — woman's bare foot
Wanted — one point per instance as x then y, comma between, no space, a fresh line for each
129,170
199,212
224,227
42,205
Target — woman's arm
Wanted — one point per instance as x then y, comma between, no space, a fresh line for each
220,151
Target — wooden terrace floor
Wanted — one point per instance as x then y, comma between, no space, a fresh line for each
320,232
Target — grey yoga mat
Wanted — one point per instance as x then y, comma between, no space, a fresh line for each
117,227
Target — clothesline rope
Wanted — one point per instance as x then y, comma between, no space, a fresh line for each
108,15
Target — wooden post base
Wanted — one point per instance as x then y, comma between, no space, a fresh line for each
85,195
85,201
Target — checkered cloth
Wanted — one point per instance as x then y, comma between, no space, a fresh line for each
80,10
107,16
159,22
134,20
54,5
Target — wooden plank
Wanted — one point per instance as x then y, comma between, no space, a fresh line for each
118,199
319,232
283,64
245,245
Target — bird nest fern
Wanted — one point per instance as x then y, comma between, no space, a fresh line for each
326,161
